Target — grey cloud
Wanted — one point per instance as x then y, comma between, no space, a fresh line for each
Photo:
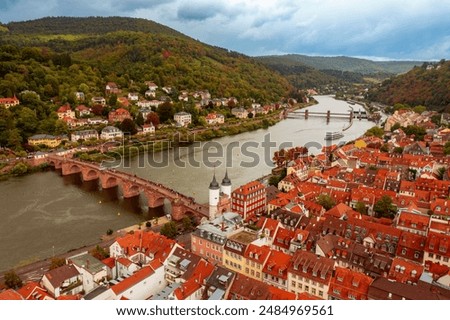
200,11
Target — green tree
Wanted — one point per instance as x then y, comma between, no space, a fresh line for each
19,169
12,280
418,132
385,207
27,121
61,127
57,262
419,109
361,207
326,201
375,131
384,148
169,230
447,148
128,126
165,111
395,126
153,117
14,139
398,150
112,101
440,173
187,223
140,119
99,253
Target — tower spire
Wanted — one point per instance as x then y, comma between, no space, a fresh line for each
226,181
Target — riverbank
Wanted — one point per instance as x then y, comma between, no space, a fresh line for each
177,137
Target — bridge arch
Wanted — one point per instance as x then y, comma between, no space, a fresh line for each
90,174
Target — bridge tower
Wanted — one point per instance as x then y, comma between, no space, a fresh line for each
214,195
225,186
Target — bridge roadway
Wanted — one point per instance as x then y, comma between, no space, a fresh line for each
305,114
132,186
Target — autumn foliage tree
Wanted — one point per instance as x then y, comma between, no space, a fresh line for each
152,117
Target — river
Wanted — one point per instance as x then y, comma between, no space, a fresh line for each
45,214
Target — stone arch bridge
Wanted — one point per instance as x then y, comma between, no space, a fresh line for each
132,186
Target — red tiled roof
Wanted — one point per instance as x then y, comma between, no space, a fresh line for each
348,285
256,253
110,262
32,291
69,297
249,188
405,271
124,261
438,244
283,238
310,266
277,264
247,288
132,280
147,243
10,294
413,221
195,282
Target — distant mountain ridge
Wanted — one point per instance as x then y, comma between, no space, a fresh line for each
342,63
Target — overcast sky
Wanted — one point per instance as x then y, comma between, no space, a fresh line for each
378,29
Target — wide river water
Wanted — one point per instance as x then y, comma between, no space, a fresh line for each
45,214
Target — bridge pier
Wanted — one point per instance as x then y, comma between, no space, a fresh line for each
178,212
89,174
154,199
130,189
108,181
69,168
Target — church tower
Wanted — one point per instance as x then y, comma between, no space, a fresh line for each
214,195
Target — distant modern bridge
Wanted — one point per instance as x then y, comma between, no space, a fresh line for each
132,186
361,114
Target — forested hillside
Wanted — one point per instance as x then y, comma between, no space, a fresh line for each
427,85
44,67
128,57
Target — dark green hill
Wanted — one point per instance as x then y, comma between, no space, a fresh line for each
427,85
88,25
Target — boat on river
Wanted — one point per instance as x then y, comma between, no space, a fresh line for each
333,135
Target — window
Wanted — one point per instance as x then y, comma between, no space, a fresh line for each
320,293
430,255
